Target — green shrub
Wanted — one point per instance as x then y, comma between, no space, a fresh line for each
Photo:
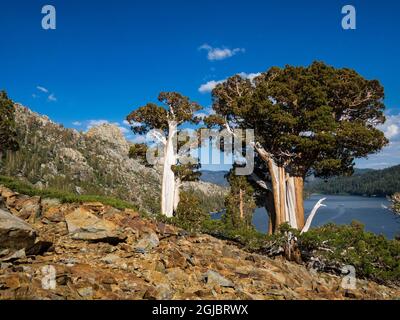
239,203
246,236
396,203
374,256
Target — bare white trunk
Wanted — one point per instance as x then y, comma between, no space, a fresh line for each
291,202
168,180
318,205
177,198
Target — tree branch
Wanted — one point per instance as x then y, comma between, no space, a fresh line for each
158,136
313,212
263,184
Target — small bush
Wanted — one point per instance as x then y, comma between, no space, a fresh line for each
246,236
190,215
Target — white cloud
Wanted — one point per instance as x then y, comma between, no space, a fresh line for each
205,113
389,155
52,98
392,131
77,123
210,85
132,124
250,76
124,130
137,139
391,128
220,53
43,89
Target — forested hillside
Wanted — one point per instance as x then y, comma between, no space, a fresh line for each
88,163
371,182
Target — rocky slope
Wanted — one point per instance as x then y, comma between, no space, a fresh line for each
50,250
93,162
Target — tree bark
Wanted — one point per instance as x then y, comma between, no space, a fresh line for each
241,204
270,207
288,198
299,190
287,191
168,180
177,198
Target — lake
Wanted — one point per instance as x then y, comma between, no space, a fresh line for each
372,212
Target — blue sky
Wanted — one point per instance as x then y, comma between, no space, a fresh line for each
107,58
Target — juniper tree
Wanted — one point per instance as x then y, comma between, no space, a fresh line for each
168,119
315,119
8,135
240,202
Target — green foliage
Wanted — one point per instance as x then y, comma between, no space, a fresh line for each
8,135
374,256
239,203
189,214
209,202
396,203
138,151
176,108
248,237
316,118
375,182
187,172
65,197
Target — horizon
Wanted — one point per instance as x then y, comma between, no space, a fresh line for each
103,61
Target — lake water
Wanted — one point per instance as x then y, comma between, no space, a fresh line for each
372,212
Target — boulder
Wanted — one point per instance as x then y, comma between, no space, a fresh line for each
174,259
15,233
82,225
214,278
148,242
29,208
111,258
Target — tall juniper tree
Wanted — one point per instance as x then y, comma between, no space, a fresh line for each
168,120
315,119
8,135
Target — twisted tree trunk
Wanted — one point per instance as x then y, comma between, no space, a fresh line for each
287,191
